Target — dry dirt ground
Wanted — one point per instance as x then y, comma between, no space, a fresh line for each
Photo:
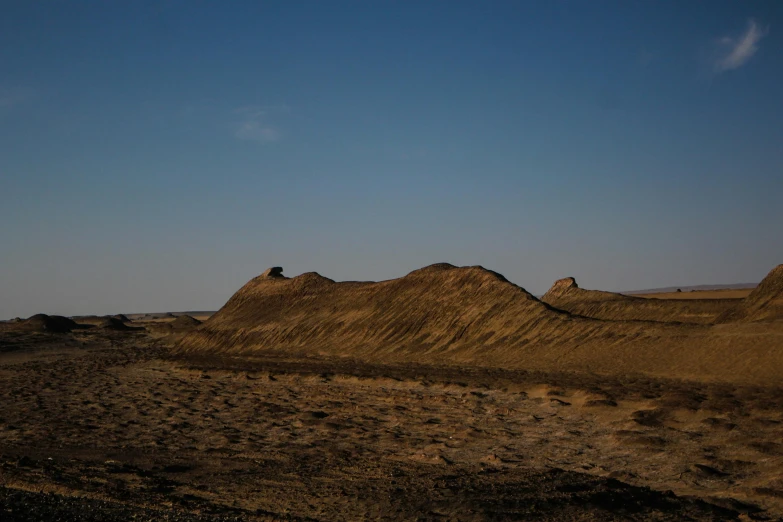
100,425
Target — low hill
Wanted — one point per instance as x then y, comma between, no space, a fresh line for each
185,321
433,310
765,302
439,309
442,314
566,295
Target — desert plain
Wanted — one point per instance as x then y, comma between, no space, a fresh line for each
447,394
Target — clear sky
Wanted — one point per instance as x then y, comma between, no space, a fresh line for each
154,156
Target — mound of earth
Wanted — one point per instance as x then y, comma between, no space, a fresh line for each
566,295
122,317
765,302
442,314
50,323
438,314
185,321
112,323
434,310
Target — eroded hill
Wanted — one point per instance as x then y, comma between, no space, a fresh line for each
442,314
434,310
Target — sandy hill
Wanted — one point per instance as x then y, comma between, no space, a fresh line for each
435,309
566,295
442,314
765,302
432,311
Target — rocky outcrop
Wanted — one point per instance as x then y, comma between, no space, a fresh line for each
561,287
275,272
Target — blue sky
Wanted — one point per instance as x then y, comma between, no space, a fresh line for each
157,155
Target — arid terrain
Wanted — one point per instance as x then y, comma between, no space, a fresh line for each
448,394
731,293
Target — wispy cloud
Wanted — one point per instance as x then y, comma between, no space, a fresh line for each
256,125
737,51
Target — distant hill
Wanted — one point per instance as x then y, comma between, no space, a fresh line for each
735,286
169,315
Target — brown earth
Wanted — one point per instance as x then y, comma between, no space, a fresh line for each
730,293
566,295
449,393
104,425
472,316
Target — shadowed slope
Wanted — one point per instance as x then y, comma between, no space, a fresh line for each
566,295
765,303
